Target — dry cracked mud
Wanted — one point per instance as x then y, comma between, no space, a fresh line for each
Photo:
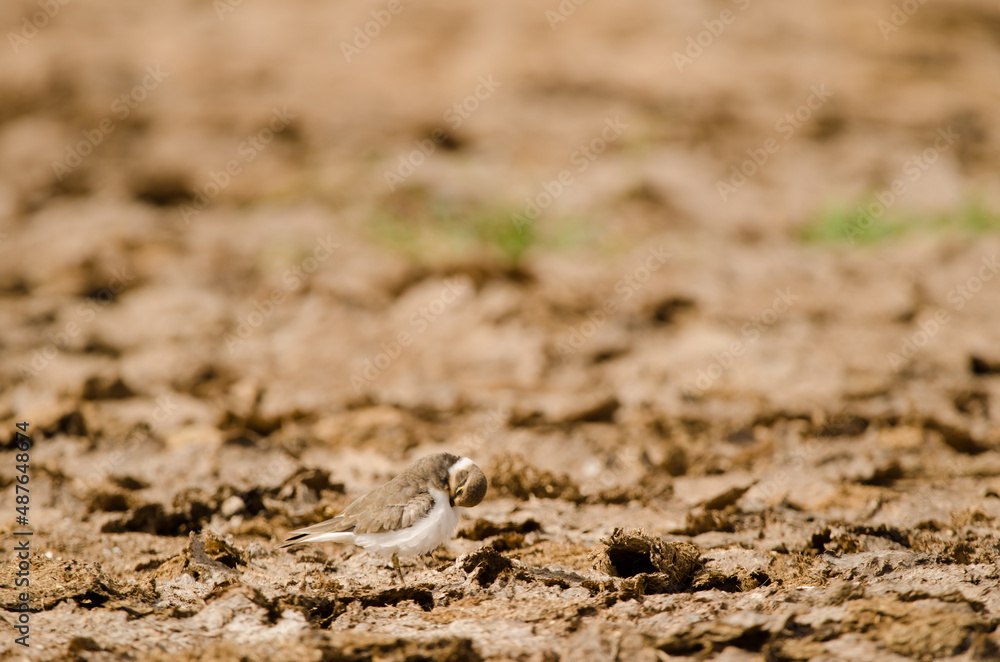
254,264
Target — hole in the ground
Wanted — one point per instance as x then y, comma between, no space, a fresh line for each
629,562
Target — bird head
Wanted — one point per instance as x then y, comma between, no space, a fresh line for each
466,483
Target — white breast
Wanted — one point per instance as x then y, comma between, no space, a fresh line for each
424,536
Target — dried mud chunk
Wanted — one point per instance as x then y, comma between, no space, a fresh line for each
130,483
364,648
105,387
883,475
342,647
513,476
53,582
486,565
796,649
706,637
482,529
701,521
50,418
652,583
222,551
744,435
628,554
306,486
548,577
965,548
151,518
206,558
973,403
839,538
236,593
733,570
508,541
982,365
668,310
393,596
727,498
72,424
319,610
971,518
714,581
923,629
190,510
676,461
79,645
960,439
840,591
843,425
621,495
601,411
567,409
106,501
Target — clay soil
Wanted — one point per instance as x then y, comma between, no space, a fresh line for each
611,252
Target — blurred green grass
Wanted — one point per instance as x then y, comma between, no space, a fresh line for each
842,223
437,232
485,234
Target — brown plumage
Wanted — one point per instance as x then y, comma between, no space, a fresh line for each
410,515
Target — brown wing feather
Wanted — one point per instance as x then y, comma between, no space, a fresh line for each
376,512
392,518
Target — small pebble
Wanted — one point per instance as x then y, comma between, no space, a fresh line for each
231,506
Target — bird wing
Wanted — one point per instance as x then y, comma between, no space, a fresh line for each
396,505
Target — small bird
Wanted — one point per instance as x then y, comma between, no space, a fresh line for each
410,515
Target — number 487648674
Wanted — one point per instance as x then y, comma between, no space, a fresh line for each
21,497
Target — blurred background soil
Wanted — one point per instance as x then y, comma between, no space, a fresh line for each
724,272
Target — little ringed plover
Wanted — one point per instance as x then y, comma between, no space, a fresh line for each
410,515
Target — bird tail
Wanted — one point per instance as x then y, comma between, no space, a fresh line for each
323,532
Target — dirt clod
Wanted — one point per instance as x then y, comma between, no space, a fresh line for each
54,582
628,554
482,529
486,565
511,475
